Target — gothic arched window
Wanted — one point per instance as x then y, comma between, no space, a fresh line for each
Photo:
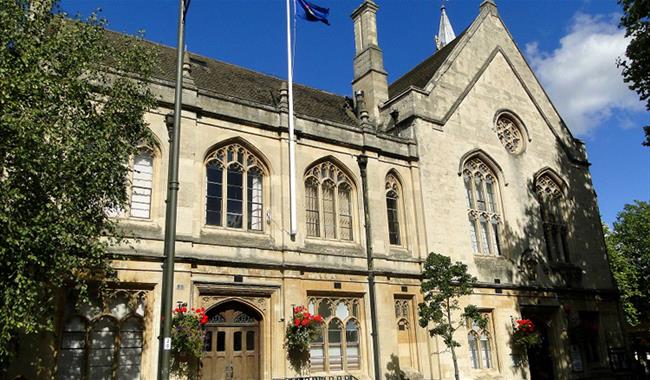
328,202
480,344
234,195
393,209
481,189
103,340
338,346
550,197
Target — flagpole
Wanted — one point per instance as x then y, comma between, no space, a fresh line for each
292,147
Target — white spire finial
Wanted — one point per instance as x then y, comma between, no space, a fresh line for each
445,31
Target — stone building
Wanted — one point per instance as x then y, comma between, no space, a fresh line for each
464,155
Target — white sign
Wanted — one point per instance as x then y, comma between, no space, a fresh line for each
167,344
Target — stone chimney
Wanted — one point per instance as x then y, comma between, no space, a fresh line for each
369,74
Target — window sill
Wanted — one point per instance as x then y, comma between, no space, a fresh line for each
333,247
489,257
399,250
141,228
491,372
235,238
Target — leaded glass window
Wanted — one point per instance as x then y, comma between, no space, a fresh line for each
393,209
328,202
554,225
338,345
142,184
103,339
479,343
482,207
312,207
235,189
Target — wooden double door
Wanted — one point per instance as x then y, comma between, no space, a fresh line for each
232,347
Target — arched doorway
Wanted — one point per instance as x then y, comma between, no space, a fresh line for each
232,343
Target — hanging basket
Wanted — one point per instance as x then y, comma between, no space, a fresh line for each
301,331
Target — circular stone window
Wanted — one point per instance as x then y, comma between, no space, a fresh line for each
509,133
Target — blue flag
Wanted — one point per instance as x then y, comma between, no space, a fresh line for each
312,12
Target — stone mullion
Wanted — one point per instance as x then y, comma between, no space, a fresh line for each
337,215
326,348
245,216
344,347
117,343
321,211
224,193
86,356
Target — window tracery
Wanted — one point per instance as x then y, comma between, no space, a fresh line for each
480,344
328,202
244,318
402,308
549,193
393,209
405,335
482,206
509,134
234,195
103,339
338,345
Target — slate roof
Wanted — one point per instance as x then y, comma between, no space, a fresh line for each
421,74
233,81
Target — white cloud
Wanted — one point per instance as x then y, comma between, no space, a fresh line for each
581,76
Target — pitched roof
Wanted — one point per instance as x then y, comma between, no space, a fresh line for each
233,81
421,74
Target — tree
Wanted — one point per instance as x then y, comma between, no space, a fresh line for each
636,65
628,246
443,284
68,125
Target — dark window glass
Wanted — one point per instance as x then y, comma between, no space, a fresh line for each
250,340
235,197
393,218
207,341
351,332
334,332
236,342
221,341
311,199
345,213
214,195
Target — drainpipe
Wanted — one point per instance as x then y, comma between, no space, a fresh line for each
362,159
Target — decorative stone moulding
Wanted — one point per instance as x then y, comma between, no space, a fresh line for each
509,133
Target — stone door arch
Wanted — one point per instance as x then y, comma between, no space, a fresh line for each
233,342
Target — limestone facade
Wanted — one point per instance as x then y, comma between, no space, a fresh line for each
423,140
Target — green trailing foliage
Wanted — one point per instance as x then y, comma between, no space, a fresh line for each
68,126
303,329
443,284
188,339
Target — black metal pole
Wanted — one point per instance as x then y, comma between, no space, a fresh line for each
164,350
362,159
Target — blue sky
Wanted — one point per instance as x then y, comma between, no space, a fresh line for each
571,45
